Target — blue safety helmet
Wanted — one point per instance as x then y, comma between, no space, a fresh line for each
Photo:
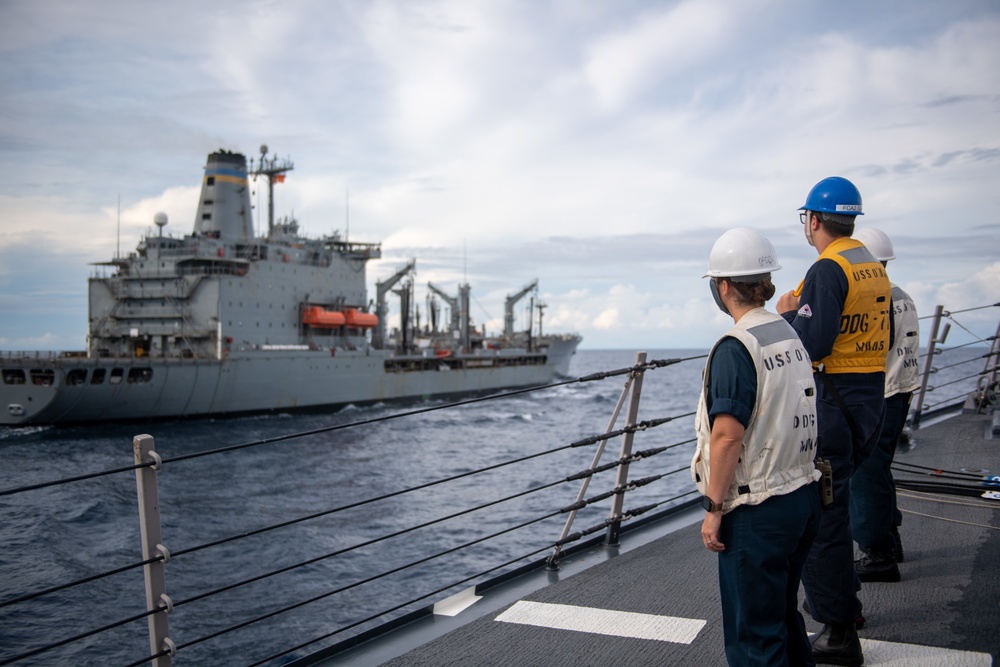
834,195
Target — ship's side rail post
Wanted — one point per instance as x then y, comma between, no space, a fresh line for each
621,479
585,484
160,644
932,342
986,386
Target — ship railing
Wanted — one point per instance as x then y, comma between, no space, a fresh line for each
525,507
960,361
531,506
210,266
43,355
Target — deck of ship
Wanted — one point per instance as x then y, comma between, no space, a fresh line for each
655,599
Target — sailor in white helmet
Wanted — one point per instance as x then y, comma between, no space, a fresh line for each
754,463
875,519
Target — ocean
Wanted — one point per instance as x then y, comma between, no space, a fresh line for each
65,533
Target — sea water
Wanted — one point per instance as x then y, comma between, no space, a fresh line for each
65,533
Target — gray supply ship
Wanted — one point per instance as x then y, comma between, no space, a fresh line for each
222,322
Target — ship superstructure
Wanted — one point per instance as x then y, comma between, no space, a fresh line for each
223,321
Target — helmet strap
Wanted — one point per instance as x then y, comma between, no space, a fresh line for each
714,287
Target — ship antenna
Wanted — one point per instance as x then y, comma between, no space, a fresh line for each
118,240
275,170
347,214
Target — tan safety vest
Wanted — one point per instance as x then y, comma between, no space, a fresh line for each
902,372
780,439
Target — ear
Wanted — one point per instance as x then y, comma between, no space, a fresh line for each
725,286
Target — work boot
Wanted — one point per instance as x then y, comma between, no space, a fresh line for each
897,545
876,567
838,644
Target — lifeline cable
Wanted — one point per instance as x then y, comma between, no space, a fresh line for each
265,529
940,470
632,485
960,363
422,597
626,515
941,487
363,581
603,375
366,543
316,515
942,518
980,504
943,475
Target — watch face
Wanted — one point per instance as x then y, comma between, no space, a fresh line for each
706,502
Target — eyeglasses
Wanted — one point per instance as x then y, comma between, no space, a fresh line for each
803,216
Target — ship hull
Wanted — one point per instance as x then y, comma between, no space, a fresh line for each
61,390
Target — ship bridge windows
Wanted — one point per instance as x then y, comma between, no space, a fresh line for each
43,377
116,376
76,377
14,376
97,377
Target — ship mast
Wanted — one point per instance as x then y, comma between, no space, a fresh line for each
274,169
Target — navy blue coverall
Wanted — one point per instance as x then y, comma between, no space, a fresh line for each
829,578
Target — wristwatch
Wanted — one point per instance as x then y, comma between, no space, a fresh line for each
710,505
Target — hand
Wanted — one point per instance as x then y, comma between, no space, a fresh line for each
710,532
788,301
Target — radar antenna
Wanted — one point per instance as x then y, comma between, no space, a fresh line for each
274,169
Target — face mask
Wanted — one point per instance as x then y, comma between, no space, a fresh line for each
715,295
809,236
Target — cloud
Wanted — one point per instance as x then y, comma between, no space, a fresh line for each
598,147
979,289
655,47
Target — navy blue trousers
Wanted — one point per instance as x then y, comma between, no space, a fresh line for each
873,490
829,579
759,573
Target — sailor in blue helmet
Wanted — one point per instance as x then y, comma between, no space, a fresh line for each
842,311
875,519
756,426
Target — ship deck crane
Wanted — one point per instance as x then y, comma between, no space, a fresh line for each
460,320
382,288
456,310
508,308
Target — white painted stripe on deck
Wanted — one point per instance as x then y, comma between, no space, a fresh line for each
893,654
457,603
604,621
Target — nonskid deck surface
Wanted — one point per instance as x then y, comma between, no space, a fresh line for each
658,604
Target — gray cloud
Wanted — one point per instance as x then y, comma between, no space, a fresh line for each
575,143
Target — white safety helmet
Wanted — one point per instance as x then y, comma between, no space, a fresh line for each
877,242
742,252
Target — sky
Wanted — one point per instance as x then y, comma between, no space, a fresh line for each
599,147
